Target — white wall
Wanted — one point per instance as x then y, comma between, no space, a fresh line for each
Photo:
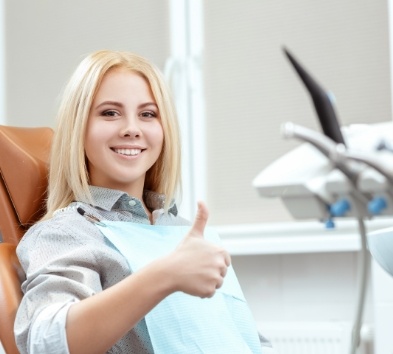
251,88
45,42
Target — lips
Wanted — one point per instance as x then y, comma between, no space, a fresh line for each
128,152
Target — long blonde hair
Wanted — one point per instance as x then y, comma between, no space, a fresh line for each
68,175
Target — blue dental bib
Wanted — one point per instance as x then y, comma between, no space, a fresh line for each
182,323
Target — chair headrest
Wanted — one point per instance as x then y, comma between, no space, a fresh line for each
24,168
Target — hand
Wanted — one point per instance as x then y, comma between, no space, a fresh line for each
199,265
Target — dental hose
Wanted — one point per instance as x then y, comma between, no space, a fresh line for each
362,287
331,150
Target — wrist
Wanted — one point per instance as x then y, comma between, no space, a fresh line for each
164,273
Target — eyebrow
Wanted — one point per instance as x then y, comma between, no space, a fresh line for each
120,105
109,103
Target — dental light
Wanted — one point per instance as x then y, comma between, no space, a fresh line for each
344,172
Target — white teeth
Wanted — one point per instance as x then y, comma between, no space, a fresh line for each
128,152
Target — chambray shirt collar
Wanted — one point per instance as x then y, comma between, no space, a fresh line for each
110,199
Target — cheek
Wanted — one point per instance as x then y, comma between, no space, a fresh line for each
161,141
159,136
156,140
90,142
97,133
94,138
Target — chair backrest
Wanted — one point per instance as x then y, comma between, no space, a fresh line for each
24,156
23,171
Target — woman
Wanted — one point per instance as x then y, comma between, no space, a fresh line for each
115,158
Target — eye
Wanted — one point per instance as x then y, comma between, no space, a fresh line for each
110,113
149,114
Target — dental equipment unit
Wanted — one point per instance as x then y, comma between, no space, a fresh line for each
344,172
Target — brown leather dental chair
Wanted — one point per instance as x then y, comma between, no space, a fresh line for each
24,156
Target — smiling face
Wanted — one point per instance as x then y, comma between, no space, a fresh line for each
124,136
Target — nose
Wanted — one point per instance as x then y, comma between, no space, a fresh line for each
131,128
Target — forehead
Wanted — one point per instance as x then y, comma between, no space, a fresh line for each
123,82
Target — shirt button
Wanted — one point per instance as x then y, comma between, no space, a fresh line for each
132,202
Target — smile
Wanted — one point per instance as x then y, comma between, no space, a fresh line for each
128,152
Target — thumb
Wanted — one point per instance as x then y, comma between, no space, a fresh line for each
200,221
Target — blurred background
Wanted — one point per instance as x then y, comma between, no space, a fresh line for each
234,88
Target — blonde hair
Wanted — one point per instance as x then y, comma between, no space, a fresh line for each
68,175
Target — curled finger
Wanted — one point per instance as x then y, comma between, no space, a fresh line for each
220,282
223,271
227,258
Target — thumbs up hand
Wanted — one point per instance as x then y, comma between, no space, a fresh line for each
200,221
199,266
